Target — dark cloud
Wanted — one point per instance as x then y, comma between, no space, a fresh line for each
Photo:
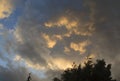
97,23
13,74
102,14
31,31
105,14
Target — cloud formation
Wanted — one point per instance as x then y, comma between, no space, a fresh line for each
50,35
80,46
71,24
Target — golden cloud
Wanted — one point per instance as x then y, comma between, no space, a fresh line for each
50,42
62,21
34,66
57,37
59,63
5,8
81,47
73,26
92,56
66,50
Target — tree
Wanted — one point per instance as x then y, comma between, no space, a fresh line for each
56,79
98,71
29,77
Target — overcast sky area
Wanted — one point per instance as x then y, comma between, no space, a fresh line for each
45,37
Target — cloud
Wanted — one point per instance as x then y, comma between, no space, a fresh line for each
72,25
66,50
63,21
50,43
59,64
46,28
106,36
28,63
18,36
5,39
1,26
50,35
7,74
5,8
8,6
80,46
15,73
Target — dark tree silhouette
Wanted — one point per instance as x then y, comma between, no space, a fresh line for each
56,79
29,77
98,71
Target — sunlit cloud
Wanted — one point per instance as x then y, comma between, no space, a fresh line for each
49,36
17,58
73,26
58,37
81,47
92,56
59,63
34,66
66,50
63,21
54,64
50,42
5,8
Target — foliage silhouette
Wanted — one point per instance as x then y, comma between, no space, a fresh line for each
98,71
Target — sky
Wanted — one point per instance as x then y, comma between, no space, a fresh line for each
45,37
